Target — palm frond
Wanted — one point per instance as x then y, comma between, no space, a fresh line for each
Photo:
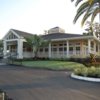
91,7
78,15
77,2
96,11
81,10
86,16
72,0
82,6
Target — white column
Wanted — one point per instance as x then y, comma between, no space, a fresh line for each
67,49
74,50
63,52
5,49
49,50
58,53
89,46
94,47
20,49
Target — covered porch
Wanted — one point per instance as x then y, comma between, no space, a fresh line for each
17,49
79,48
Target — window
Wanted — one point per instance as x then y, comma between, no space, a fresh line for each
70,48
29,49
46,49
96,48
41,50
24,48
70,44
92,44
54,45
78,48
54,49
65,44
65,49
60,49
7,47
60,44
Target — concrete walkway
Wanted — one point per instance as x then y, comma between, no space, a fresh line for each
31,84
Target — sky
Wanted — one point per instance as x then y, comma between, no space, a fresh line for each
35,16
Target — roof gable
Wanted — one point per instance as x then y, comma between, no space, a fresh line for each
14,34
11,35
22,33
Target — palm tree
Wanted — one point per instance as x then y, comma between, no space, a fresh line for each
36,42
88,8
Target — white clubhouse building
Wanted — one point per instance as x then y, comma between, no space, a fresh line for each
62,45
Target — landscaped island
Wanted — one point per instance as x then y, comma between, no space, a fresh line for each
88,72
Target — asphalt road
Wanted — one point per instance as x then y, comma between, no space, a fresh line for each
33,84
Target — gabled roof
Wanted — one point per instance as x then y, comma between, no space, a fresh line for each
60,36
48,36
22,33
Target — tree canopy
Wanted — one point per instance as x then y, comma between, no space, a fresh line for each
36,42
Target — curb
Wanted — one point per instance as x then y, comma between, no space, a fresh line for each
85,78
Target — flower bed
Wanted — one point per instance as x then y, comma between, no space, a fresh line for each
88,72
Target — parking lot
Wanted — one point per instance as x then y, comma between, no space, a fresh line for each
33,84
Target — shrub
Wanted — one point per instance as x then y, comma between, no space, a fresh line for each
92,71
88,72
97,72
84,71
77,71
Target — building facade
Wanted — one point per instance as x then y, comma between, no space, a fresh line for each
62,45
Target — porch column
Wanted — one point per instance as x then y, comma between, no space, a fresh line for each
63,52
20,49
89,46
5,48
67,49
58,53
94,47
49,50
98,48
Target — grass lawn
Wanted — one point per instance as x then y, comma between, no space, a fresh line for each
54,65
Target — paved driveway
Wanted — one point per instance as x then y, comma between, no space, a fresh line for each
32,84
